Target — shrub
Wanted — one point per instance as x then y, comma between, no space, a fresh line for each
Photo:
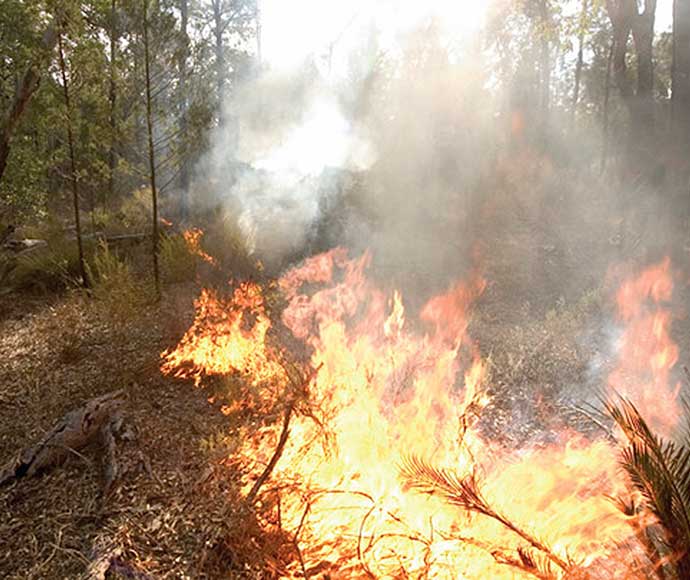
47,269
178,264
114,285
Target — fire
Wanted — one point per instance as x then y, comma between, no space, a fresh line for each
193,237
388,391
227,336
647,352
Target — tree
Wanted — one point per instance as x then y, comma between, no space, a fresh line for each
25,91
681,73
580,55
627,20
112,96
151,149
183,101
72,159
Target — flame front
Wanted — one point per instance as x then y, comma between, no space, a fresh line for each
647,352
192,238
386,389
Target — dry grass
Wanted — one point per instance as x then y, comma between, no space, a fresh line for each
175,497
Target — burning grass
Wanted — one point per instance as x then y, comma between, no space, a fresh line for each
391,409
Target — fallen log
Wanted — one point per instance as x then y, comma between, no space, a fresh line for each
96,420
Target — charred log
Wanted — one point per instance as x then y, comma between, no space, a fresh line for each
97,420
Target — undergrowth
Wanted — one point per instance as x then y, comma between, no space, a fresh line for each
115,286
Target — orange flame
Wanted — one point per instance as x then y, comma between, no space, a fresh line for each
387,388
226,337
193,238
647,352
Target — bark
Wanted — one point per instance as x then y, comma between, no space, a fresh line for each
217,6
184,105
627,21
151,151
544,60
73,165
112,98
25,90
73,432
607,98
259,50
681,74
580,57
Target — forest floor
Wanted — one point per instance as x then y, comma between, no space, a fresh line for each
56,356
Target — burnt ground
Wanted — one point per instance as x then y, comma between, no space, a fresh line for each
542,322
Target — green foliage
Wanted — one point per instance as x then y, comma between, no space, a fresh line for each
135,211
659,470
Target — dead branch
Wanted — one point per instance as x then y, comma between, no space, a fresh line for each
251,497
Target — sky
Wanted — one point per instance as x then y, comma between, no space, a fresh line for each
296,29
293,30
664,15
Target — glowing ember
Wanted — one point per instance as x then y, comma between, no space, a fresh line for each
390,393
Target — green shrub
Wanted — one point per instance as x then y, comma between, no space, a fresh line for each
178,264
114,286
135,211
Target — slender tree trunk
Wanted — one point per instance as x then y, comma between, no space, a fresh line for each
545,66
580,57
681,74
259,55
643,37
627,20
112,96
184,105
152,158
220,53
607,95
25,90
73,165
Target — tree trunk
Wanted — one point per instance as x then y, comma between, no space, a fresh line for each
626,21
25,90
259,50
72,160
220,53
112,95
580,57
545,67
643,38
152,158
184,105
607,98
681,75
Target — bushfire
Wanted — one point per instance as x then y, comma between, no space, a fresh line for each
385,472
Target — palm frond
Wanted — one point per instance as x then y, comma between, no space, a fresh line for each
465,493
660,471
